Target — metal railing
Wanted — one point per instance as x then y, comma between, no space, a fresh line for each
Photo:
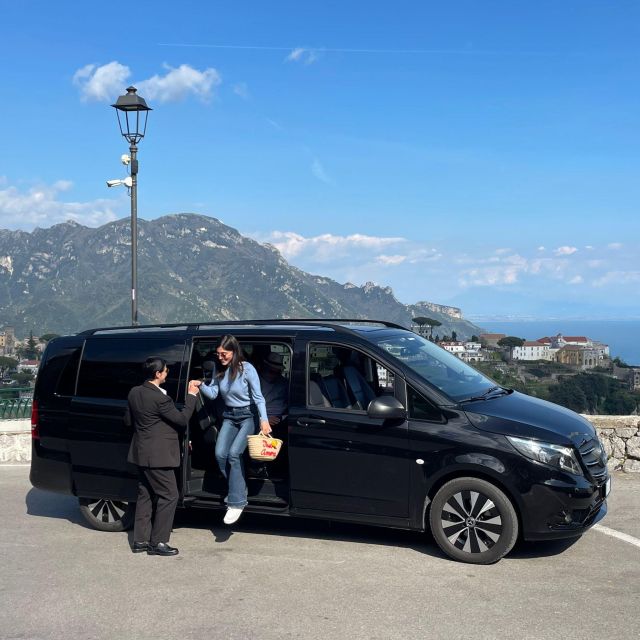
15,404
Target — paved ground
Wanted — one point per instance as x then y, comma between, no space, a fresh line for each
286,578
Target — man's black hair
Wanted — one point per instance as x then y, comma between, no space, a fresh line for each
152,366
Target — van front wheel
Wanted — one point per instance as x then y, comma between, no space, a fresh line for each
473,521
108,515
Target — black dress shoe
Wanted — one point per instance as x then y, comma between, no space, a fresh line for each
139,547
161,549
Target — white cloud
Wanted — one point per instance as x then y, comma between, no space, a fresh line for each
300,54
576,280
615,245
101,83
274,124
326,246
390,261
179,82
40,206
617,278
541,248
109,81
241,89
565,251
319,172
423,255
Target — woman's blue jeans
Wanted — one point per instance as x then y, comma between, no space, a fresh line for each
238,423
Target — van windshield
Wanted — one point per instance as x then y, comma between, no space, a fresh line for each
442,369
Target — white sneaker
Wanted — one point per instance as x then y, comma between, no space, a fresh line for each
226,499
232,515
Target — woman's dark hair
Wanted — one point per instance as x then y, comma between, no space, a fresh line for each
229,343
152,366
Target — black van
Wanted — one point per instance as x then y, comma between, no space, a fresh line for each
383,428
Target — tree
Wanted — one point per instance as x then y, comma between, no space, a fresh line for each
475,338
510,342
454,336
6,365
422,322
568,394
46,337
24,377
30,350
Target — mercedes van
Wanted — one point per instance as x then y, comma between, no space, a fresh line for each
383,428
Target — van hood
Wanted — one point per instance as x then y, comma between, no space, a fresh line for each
517,414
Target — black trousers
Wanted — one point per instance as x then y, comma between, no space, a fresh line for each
156,488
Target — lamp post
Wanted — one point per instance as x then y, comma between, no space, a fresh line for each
132,112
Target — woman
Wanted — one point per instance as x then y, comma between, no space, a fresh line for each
236,380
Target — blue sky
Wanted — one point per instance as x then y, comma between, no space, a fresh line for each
482,154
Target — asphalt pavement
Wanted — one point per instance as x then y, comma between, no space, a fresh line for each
273,577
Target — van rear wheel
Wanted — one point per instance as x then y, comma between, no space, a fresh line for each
108,515
473,521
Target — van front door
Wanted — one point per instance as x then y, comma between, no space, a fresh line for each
340,459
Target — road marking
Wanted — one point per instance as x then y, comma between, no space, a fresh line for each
617,534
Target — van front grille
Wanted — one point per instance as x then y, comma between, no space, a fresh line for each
594,458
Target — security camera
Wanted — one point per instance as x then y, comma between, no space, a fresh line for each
127,182
125,158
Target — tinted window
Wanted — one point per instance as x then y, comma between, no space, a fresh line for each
420,408
343,378
111,366
67,381
57,374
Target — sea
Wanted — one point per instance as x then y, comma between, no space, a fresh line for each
622,336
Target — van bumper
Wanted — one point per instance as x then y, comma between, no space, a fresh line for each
556,512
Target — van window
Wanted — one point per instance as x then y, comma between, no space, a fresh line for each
204,355
435,365
422,409
58,373
67,381
343,378
112,366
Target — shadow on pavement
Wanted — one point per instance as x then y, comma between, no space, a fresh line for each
540,549
52,505
307,528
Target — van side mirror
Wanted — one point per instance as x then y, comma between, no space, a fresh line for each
386,408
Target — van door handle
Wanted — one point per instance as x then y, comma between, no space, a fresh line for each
305,422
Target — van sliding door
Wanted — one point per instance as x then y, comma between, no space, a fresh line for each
98,439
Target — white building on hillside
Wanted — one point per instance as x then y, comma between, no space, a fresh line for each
531,351
457,348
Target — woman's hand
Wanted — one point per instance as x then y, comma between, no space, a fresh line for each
265,427
193,387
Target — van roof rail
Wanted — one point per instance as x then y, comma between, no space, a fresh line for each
337,324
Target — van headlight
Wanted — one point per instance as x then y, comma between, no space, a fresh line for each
553,455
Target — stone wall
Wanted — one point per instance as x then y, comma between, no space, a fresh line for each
620,436
15,441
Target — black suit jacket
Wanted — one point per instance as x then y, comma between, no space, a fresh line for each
157,423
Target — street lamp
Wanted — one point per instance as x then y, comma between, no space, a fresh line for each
132,112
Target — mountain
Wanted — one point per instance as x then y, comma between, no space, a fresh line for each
190,268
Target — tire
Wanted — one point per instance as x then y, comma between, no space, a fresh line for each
473,521
108,515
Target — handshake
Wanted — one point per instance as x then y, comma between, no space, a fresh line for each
193,386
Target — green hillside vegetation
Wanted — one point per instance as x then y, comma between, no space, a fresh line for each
593,392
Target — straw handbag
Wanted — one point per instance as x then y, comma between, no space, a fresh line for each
263,447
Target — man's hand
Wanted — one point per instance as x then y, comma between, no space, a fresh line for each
274,420
193,387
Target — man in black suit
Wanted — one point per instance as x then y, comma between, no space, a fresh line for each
155,449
